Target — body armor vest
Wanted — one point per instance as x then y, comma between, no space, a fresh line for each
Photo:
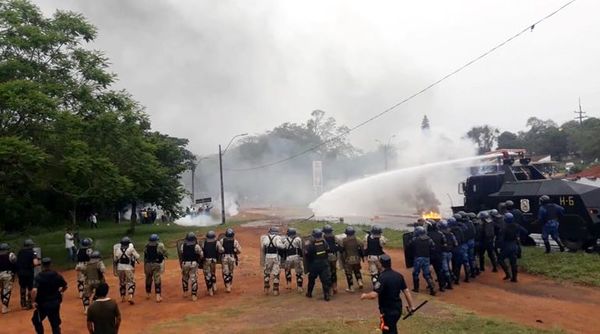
124,259
511,232
5,264
458,234
210,249
330,239
229,246
25,260
291,250
189,253
449,242
470,230
92,271
82,255
151,255
374,246
422,246
271,249
320,250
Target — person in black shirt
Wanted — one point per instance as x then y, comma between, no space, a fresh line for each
27,259
318,264
387,289
509,240
48,288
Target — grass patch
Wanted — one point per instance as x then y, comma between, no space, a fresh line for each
109,233
394,237
580,267
446,319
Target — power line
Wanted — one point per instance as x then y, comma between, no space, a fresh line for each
410,97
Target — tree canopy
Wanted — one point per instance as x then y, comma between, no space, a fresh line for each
68,141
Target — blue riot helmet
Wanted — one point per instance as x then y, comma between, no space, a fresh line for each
86,243
191,236
451,221
291,232
229,233
327,229
419,231
494,213
153,237
95,255
443,224
211,235
349,231
125,241
376,230
544,199
483,215
509,218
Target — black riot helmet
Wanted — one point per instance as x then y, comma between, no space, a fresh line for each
376,230
28,243
317,233
211,235
125,241
501,207
544,199
291,232
4,247
86,243
349,231
273,230
457,216
95,255
509,204
191,236
471,215
229,233
483,215
327,229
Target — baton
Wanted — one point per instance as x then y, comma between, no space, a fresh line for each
410,313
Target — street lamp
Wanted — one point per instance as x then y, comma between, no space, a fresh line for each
221,154
386,147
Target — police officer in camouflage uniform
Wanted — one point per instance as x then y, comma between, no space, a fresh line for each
83,257
352,253
293,259
209,264
272,245
94,275
27,260
154,257
374,242
126,256
318,264
332,255
191,256
8,268
229,248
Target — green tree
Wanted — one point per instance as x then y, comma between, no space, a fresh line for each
484,137
508,139
425,123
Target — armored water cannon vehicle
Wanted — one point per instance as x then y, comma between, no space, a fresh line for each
523,184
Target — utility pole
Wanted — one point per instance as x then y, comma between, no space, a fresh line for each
580,114
222,191
193,184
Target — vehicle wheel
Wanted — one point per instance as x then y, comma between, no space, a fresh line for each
573,245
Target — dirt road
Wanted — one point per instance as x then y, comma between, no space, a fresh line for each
534,301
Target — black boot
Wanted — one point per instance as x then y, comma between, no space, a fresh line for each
514,274
430,287
506,273
467,274
309,288
415,285
561,246
449,282
547,245
441,283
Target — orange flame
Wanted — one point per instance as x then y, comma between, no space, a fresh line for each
431,215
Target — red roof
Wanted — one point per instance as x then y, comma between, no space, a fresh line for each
593,171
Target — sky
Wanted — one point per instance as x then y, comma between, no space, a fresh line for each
208,70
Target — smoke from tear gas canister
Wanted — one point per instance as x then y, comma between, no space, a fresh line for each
197,220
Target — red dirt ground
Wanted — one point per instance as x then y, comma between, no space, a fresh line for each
534,301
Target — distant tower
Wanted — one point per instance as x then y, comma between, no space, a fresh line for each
425,123
580,114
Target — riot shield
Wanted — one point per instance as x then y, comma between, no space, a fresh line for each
262,251
339,239
115,262
179,244
306,241
38,252
408,251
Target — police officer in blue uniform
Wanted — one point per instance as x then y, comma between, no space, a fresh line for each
422,247
549,216
510,248
387,290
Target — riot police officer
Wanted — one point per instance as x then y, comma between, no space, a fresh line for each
436,258
8,262
332,255
352,254
229,249
94,275
154,257
422,248
510,239
83,257
271,245
293,259
211,254
318,264
549,216
191,256
470,235
374,242
447,249
125,256
49,287
27,260
488,236
460,256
